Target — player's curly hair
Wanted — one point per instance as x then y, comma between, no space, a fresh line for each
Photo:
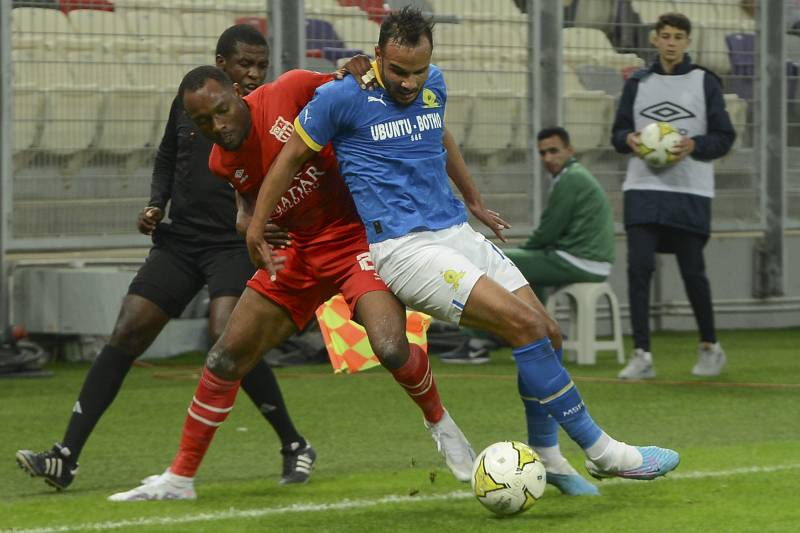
196,78
405,27
240,33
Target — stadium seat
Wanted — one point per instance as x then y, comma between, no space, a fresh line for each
35,20
71,119
45,73
320,34
452,42
91,67
67,6
587,46
207,25
597,14
242,9
106,24
600,78
123,7
154,24
737,110
587,116
28,114
129,120
319,64
580,343
570,80
495,115
469,81
148,68
458,114
357,32
742,55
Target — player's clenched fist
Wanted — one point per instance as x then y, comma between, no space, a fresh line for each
148,219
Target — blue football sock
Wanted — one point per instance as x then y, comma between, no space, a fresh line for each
546,379
542,428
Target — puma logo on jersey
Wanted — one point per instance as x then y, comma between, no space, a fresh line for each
376,99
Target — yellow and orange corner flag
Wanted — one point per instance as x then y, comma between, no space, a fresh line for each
347,342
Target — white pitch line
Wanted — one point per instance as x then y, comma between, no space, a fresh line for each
355,504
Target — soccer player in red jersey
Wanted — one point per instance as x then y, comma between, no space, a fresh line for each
328,254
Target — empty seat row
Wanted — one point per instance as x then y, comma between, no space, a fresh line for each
70,120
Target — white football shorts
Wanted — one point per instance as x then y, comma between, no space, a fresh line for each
435,271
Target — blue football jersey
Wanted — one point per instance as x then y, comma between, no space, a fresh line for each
390,155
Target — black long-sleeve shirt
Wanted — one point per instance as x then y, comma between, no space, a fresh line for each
203,207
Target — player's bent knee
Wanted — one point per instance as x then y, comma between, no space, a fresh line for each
223,365
392,353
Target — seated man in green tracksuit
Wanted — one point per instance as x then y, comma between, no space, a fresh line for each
574,241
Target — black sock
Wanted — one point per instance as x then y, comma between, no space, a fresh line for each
100,387
262,388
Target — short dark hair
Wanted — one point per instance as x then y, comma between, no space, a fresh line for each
240,33
196,78
405,27
553,131
676,20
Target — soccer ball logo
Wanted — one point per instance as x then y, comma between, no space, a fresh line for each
657,140
508,477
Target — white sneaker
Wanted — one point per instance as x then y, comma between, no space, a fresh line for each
164,487
453,445
640,366
710,361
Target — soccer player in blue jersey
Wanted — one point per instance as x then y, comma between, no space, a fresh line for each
393,151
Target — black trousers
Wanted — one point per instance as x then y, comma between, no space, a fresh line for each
644,241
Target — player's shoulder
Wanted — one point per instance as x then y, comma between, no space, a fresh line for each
435,76
302,78
340,90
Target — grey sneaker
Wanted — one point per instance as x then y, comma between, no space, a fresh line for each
640,366
709,361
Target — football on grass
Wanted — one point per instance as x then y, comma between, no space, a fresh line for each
657,142
508,477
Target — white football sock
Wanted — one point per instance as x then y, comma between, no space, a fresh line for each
553,461
176,480
609,454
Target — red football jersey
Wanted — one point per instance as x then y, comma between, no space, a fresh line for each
318,196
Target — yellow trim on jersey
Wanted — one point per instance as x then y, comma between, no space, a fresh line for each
377,72
305,136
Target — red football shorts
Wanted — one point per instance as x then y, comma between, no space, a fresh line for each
320,269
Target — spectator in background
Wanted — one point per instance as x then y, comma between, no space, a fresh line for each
574,242
198,246
669,210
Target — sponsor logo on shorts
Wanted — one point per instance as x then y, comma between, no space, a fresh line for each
451,277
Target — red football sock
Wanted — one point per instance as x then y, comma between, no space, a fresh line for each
213,400
417,379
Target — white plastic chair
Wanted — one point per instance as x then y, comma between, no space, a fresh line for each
582,336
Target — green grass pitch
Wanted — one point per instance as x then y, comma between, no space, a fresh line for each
378,470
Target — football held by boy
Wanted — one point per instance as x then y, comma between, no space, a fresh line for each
328,254
396,158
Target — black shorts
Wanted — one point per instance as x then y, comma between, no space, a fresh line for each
175,271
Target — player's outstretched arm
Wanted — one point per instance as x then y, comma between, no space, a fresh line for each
293,155
459,172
